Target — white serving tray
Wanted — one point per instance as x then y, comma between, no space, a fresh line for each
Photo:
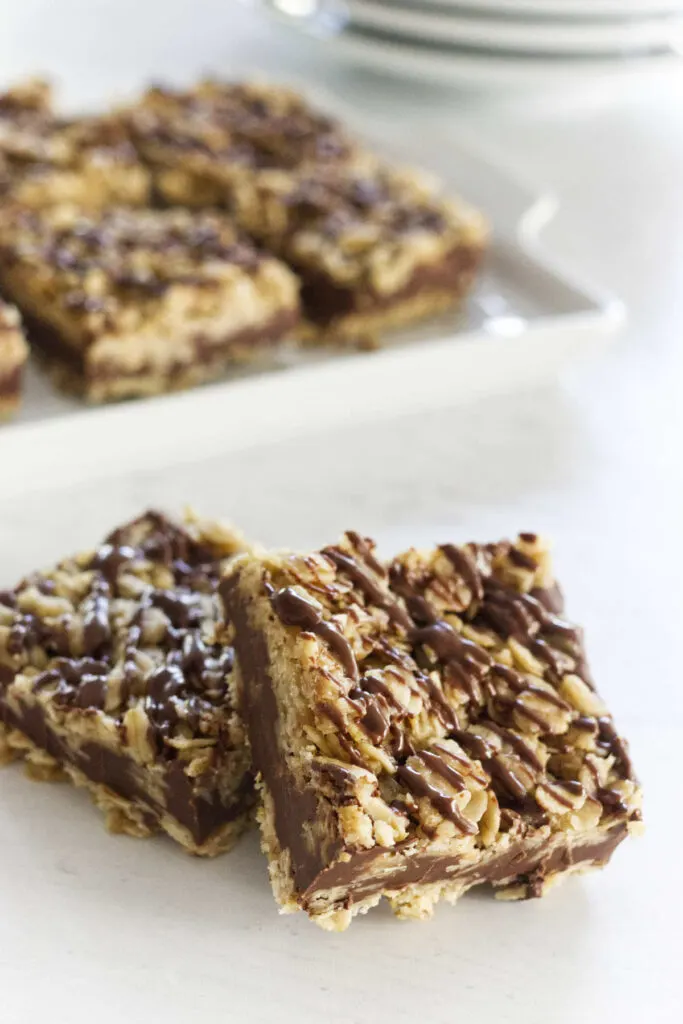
528,317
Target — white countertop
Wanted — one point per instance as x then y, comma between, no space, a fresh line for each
135,931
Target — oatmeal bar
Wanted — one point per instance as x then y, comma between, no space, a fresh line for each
13,355
136,302
202,142
46,160
375,248
421,728
110,673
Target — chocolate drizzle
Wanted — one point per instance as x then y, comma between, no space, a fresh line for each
612,800
376,722
520,746
522,616
449,646
96,628
437,764
507,778
364,549
350,749
377,686
610,737
189,685
505,612
462,564
401,745
521,560
466,663
374,709
420,786
368,586
420,609
475,745
295,610
109,559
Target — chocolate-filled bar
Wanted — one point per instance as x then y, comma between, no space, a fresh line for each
46,160
111,673
136,302
13,355
421,727
374,248
202,142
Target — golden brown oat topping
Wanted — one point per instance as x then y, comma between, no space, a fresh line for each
144,250
46,160
103,139
297,182
124,637
33,95
245,123
361,225
31,133
110,271
448,693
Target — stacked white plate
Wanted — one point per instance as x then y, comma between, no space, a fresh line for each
494,41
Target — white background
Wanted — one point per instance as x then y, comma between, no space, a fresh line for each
96,928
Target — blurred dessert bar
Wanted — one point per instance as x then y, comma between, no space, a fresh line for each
421,728
125,300
202,142
13,355
136,302
46,159
110,673
374,248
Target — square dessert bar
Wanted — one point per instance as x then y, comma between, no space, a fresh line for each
13,355
46,160
110,672
135,302
421,728
374,248
202,142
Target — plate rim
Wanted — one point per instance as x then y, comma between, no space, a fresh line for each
479,70
547,9
431,25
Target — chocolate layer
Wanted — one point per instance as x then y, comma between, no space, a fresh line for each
50,342
10,383
325,301
524,863
202,817
292,805
367,873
